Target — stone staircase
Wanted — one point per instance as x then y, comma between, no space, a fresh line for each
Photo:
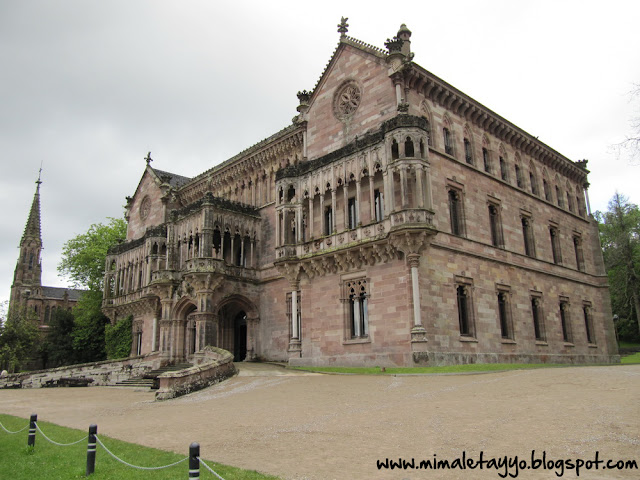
150,379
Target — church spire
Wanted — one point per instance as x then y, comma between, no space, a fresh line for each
32,229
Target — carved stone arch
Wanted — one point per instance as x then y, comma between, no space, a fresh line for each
425,112
184,307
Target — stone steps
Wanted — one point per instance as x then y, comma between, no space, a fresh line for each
149,379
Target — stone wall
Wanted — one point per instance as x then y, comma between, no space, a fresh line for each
102,373
213,365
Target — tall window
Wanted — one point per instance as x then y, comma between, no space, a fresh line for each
465,317
486,160
577,248
448,141
378,199
328,221
555,245
504,172
468,155
518,177
569,201
588,323
538,324
455,212
534,183
409,151
495,226
565,322
547,190
527,233
352,213
559,197
357,307
504,314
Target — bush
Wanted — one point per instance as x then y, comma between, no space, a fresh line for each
118,338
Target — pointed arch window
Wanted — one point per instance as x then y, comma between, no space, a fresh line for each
448,141
468,154
456,211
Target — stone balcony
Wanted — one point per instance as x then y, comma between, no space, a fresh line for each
409,218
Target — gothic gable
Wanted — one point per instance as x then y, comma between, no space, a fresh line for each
353,95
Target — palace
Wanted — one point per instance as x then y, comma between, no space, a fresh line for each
396,221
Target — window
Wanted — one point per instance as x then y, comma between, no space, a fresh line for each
565,322
559,197
569,201
577,248
357,307
486,160
536,314
455,212
395,151
292,333
504,173
504,313
588,322
495,226
352,213
527,233
448,141
555,245
547,190
408,148
468,155
378,199
518,177
465,310
534,183
328,221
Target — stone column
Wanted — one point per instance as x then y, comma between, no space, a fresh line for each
345,196
586,197
333,210
310,218
418,333
206,330
419,187
358,221
154,333
322,215
372,200
403,188
278,216
427,172
252,339
295,344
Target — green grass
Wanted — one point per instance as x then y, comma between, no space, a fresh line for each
633,358
53,462
635,346
470,368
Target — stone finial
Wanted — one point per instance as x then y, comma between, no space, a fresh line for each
582,163
343,27
404,34
394,45
148,158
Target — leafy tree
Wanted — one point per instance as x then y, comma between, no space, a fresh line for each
620,238
630,146
118,338
83,257
88,332
19,338
59,342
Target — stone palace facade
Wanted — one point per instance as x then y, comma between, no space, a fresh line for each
396,221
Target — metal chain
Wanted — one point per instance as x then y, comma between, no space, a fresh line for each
136,466
9,431
209,468
56,443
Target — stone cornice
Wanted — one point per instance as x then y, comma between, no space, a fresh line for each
441,93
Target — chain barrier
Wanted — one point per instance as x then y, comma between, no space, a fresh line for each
56,443
9,431
209,468
136,466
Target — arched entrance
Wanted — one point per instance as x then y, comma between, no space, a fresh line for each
237,324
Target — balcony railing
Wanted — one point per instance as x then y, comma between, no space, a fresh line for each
361,234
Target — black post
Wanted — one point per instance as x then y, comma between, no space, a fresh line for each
31,439
194,461
91,449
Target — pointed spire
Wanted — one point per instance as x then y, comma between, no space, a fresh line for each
32,228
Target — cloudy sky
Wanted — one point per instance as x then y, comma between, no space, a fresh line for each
87,88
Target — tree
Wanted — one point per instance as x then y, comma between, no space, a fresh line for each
620,239
83,257
59,342
19,338
88,332
630,146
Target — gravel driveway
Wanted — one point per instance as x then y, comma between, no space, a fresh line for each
322,427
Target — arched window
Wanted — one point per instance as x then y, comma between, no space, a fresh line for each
408,148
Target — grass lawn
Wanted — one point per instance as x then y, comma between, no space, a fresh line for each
633,358
53,462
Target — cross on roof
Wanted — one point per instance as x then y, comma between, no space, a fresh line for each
148,158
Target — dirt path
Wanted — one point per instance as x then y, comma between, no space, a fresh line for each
319,427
